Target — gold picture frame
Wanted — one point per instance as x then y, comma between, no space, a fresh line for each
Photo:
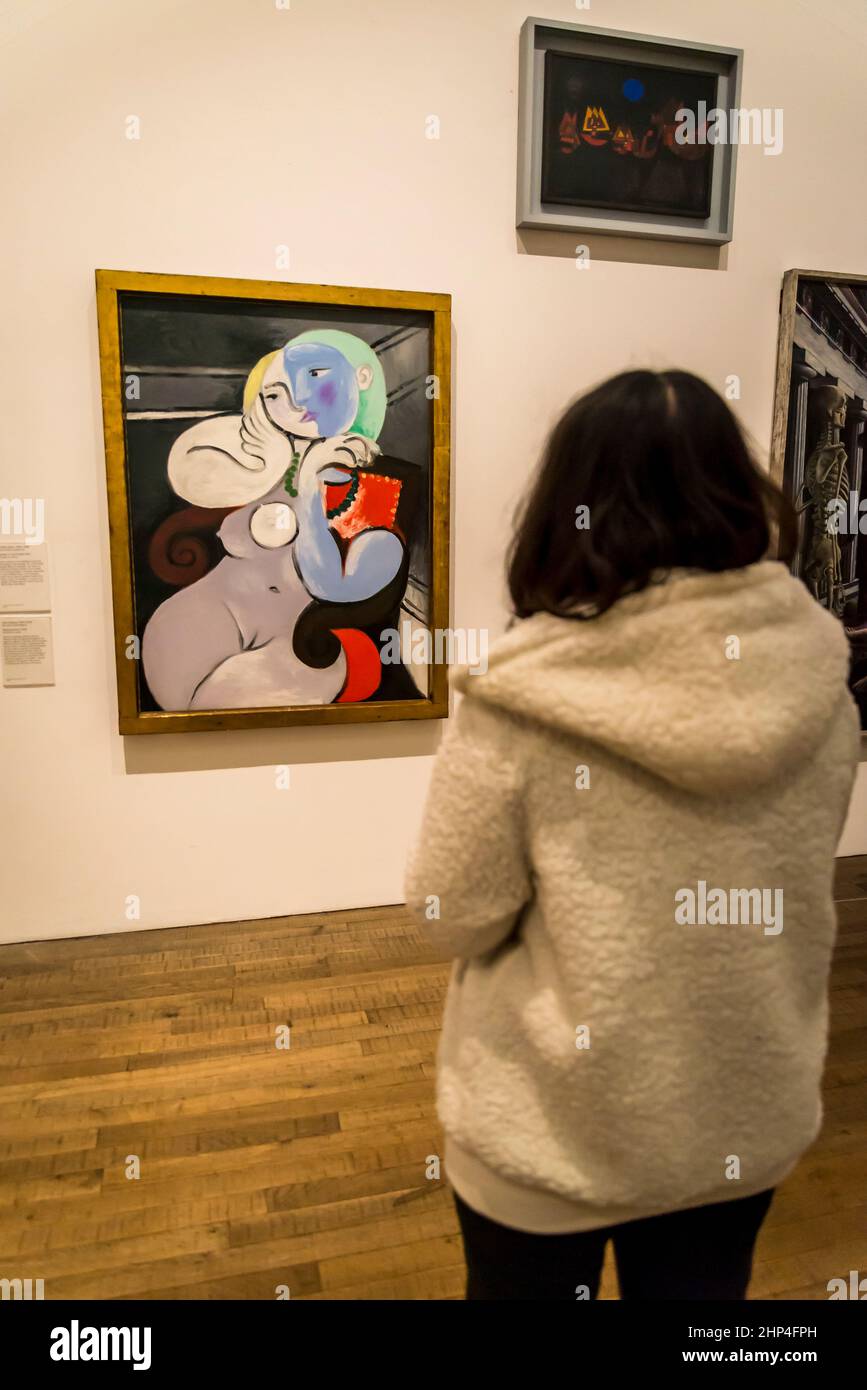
114,290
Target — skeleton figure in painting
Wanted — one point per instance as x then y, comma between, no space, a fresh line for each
825,487
310,525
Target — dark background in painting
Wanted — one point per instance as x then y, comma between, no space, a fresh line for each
192,357
599,176
830,349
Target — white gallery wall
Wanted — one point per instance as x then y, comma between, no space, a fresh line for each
306,126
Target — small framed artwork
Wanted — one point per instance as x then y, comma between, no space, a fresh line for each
277,460
817,444
621,133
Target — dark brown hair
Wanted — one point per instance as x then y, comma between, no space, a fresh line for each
669,481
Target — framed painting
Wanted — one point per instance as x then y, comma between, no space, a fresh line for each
621,133
277,458
817,444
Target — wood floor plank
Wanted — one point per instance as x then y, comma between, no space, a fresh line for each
96,1272
26,1237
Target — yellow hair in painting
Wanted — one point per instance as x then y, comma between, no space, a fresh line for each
253,384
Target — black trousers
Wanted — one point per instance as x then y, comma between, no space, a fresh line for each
702,1253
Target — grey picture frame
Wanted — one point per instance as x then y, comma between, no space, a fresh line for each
538,36
821,345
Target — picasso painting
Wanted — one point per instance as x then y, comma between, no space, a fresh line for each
277,462
817,446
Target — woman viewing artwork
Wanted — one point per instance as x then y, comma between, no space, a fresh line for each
628,850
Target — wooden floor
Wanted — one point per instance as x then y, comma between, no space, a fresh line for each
305,1167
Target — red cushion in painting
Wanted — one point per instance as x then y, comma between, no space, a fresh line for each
373,499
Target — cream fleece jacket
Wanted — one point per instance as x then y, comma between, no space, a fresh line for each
596,1043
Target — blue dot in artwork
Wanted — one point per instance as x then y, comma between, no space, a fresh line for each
633,89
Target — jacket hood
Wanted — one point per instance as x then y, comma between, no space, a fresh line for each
714,682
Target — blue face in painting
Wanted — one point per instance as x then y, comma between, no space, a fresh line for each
323,385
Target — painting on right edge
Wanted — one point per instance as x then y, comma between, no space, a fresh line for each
817,453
